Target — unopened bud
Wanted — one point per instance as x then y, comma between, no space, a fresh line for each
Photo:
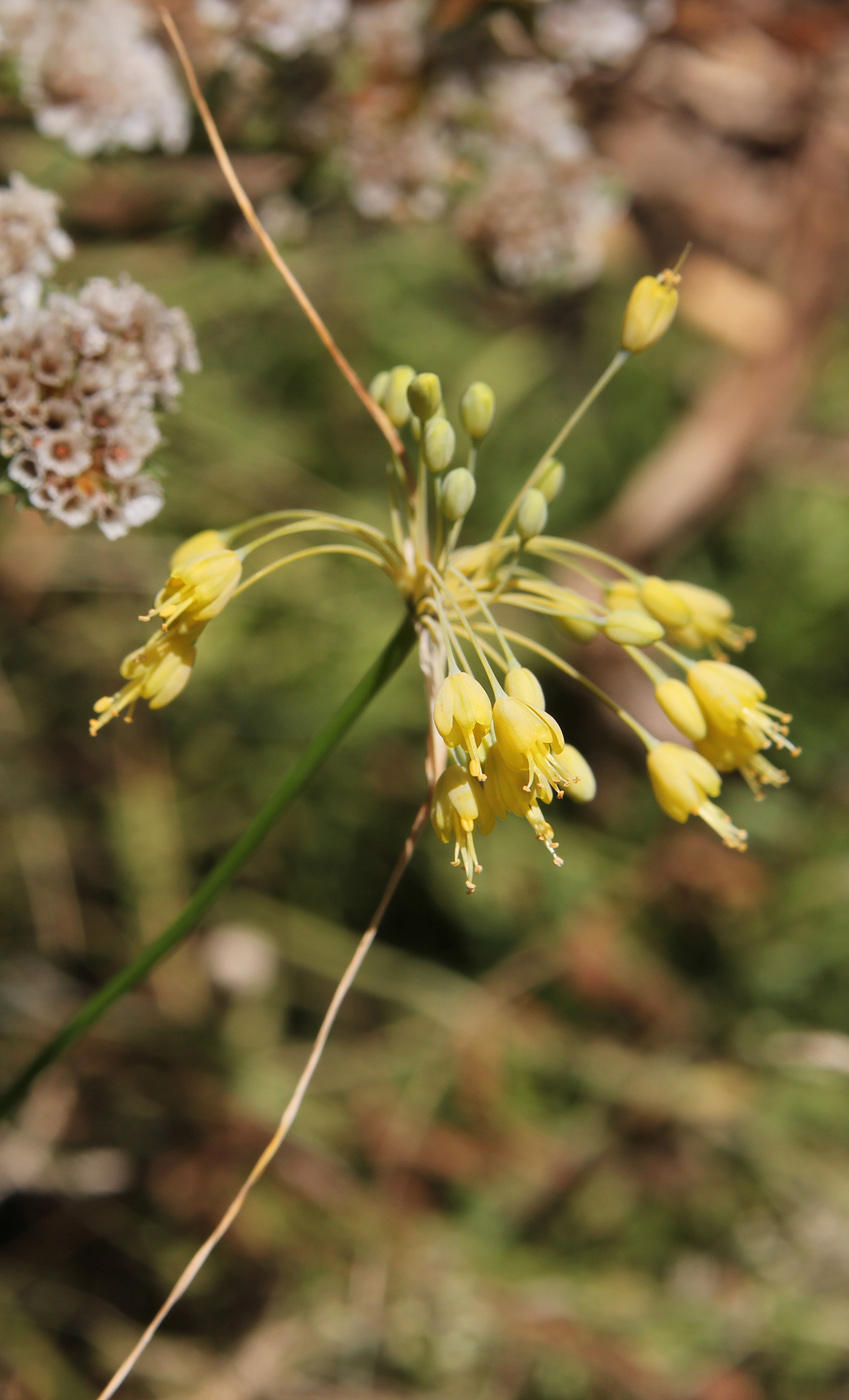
424,394
477,410
438,443
681,706
552,479
378,386
521,684
631,629
662,601
580,629
650,311
623,594
532,515
457,494
582,788
395,399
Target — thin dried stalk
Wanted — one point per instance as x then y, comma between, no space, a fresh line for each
242,199
290,1112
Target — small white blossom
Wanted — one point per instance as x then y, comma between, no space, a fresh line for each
96,78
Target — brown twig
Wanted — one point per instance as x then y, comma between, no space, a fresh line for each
242,199
290,1112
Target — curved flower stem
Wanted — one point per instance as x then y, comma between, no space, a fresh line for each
648,739
240,195
571,422
382,670
310,554
290,1112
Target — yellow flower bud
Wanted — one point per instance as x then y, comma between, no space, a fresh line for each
664,603
572,765
630,628
424,394
378,386
477,410
681,706
532,515
196,547
395,400
578,628
551,482
650,311
156,672
521,684
457,493
462,714
623,594
683,782
438,443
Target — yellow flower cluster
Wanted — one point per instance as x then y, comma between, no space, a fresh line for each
498,749
203,577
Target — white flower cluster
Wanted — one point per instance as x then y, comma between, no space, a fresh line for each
80,378
31,241
543,205
497,145
286,27
93,75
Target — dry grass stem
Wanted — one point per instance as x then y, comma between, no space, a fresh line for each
290,1112
243,200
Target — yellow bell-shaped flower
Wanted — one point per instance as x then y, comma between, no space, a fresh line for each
458,806
156,672
462,714
684,782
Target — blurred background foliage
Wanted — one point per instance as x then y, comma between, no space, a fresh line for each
583,1135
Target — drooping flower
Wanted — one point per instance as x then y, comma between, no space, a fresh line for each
459,805
462,714
155,672
684,782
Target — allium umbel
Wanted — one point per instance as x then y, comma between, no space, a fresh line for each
496,750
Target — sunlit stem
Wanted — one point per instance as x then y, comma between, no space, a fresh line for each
394,507
685,662
655,673
422,541
615,364
550,546
311,554
502,641
643,734
468,629
452,641
519,600
306,519
328,523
